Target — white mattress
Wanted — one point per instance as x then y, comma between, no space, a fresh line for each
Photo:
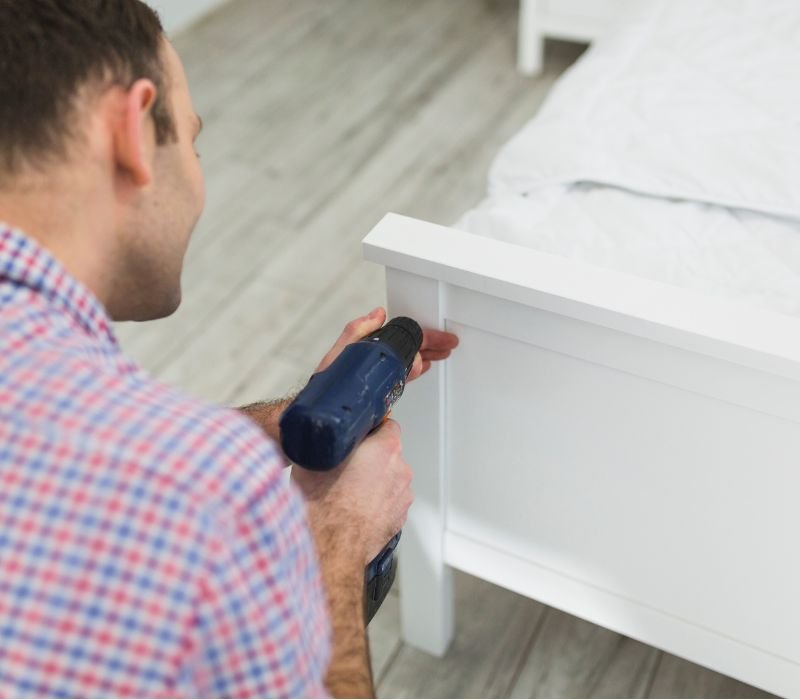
670,151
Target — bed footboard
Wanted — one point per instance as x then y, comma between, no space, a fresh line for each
623,450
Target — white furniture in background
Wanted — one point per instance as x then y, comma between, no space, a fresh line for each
571,20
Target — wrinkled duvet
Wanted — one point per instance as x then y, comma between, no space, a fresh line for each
670,151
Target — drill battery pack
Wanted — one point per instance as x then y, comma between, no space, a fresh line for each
379,578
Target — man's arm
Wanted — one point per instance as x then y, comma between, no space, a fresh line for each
260,622
353,511
350,671
267,415
342,554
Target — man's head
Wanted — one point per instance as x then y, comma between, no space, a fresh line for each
97,131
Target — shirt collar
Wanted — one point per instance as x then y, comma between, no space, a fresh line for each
25,263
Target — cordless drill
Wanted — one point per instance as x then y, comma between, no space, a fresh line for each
341,405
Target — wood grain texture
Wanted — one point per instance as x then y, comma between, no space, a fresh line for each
677,678
574,658
384,635
493,630
319,118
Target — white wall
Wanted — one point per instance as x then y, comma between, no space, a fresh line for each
179,14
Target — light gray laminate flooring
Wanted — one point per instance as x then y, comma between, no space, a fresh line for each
322,115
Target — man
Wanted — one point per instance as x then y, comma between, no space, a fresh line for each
148,545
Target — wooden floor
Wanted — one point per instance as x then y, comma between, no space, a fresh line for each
320,117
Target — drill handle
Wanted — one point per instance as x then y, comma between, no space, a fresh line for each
380,577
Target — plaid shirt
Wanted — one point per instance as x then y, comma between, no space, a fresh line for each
148,543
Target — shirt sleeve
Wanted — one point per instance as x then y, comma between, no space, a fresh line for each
262,622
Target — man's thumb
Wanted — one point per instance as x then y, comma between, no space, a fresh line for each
365,325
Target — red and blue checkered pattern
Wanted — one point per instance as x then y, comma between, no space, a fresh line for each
148,542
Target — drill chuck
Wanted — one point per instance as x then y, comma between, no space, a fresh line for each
403,335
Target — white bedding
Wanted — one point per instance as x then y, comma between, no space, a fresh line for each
670,151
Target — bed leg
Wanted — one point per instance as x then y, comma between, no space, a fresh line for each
426,585
530,41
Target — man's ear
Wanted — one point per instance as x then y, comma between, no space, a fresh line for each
134,142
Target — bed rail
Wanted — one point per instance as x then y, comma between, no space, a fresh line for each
683,318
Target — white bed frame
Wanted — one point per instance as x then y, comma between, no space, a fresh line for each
624,450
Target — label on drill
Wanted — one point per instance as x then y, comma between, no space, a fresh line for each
394,394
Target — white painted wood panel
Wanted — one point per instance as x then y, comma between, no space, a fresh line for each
628,484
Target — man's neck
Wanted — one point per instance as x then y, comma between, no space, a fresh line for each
47,211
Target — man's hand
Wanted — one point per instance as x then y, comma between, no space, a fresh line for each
436,345
364,502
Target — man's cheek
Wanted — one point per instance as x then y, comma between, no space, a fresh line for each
202,190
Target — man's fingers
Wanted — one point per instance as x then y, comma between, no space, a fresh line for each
436,346
388,427
432,339
436,354
353,331
416,368
438,340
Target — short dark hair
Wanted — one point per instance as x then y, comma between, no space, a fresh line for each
50,50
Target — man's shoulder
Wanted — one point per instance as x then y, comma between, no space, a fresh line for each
210,452
124,500
67,392
104,407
